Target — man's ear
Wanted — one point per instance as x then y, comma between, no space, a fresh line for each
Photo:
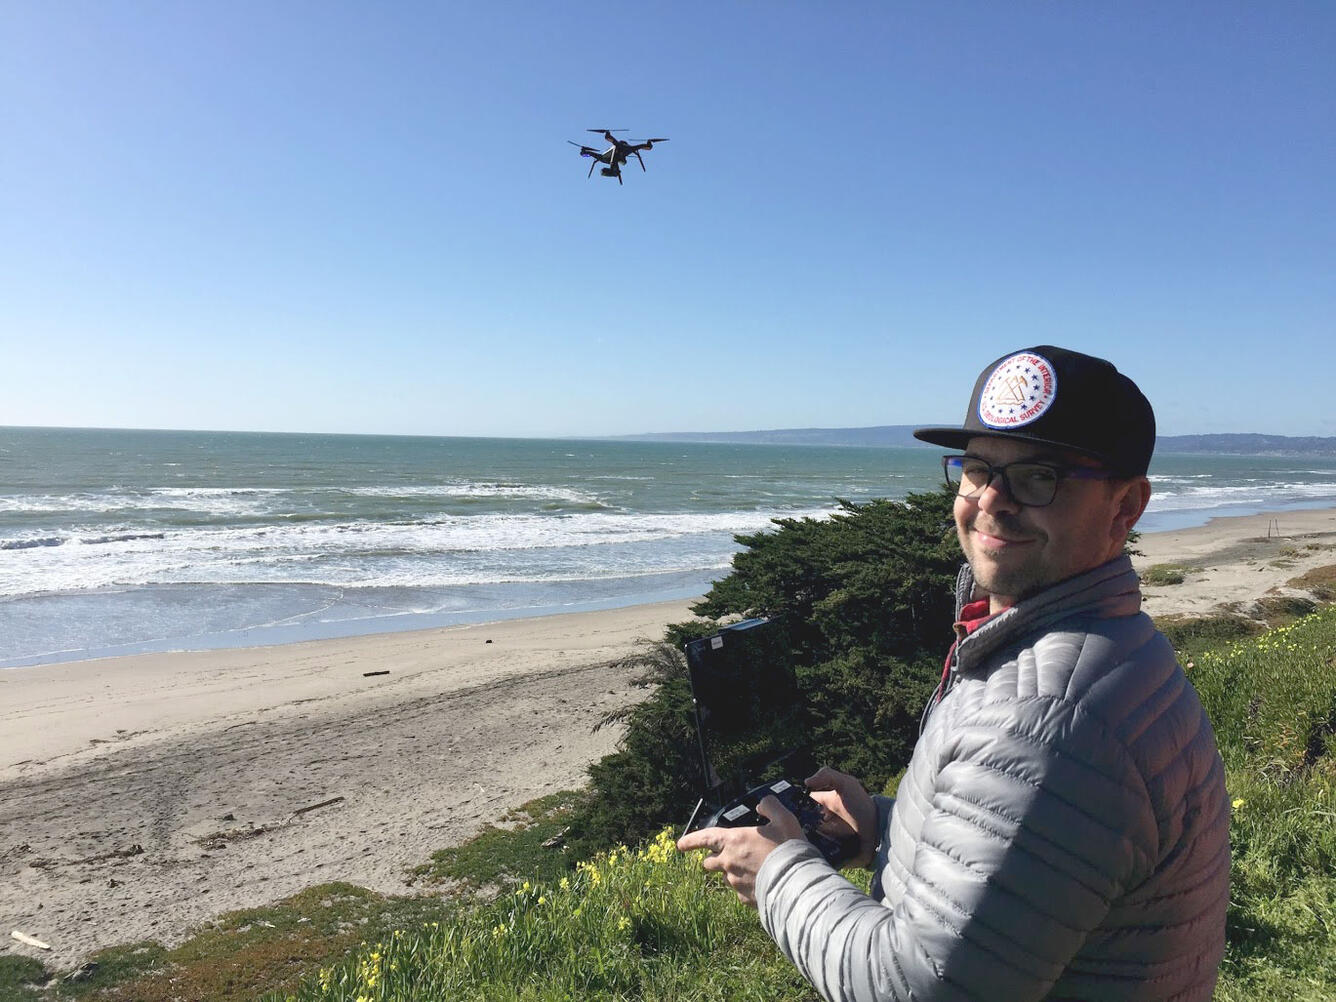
1132,498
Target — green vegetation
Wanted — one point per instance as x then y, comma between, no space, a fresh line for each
238,956
646,924
866,598
528,844
1278,610
20,977
1272,701
1194,634
1163,574
1320,582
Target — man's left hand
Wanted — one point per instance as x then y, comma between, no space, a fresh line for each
738,853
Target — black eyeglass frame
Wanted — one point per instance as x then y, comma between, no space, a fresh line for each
1061,472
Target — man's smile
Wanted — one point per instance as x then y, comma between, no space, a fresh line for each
994,538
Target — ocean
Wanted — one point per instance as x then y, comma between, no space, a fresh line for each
116,542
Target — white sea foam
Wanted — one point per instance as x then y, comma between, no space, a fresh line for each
1256,492
241,501
479,490
489,548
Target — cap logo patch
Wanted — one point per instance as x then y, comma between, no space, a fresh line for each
1019,391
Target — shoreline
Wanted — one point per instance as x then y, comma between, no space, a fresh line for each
143,795
1234,561
285,632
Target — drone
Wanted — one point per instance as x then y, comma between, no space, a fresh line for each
615,156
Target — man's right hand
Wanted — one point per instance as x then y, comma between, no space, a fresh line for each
850,807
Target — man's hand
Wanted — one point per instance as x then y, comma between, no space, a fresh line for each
738,853
851,808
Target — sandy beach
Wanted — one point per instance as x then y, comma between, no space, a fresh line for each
1231,563
140,796
131,789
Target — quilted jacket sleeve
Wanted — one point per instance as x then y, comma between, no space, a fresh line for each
1036,820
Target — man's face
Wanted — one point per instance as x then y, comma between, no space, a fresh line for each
1016,550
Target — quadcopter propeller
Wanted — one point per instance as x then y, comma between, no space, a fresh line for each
663,140
605,130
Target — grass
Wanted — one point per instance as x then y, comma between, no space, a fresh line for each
1272,701
1281,610
649,924
20,977
645,924
240,955
1197,634
1163,574
527,844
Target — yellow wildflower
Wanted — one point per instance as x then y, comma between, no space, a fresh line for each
1238,802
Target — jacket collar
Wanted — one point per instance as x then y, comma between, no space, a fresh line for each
1105,592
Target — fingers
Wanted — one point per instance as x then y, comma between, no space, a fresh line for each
822,779
827,778
704,838
738,853
782,825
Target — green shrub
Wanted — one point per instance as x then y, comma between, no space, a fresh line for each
1163,574
866,597
1320,582
1192,635
1278,610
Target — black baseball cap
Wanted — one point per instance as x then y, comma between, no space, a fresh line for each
1053,396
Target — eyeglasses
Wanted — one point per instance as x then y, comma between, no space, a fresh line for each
1029,483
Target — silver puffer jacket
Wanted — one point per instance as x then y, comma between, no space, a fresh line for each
1062,831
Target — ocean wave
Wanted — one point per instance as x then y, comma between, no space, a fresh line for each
484,548
123,537
28,544
312,500
218,503
535,492
1258,493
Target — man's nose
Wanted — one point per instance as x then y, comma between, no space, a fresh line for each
997,496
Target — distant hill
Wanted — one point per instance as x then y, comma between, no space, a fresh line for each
901,436
882,436
1249,445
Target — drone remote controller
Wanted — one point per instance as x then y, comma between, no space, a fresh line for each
742,813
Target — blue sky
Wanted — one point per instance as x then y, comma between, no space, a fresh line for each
355,217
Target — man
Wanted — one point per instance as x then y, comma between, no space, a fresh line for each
1062,829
